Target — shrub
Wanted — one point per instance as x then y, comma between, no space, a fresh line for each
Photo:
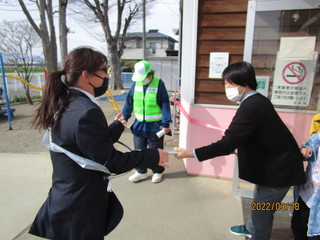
18,99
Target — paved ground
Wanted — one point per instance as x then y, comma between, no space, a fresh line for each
181,207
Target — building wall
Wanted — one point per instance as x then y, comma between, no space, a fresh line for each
132,53
136,54
216,26
167,69
132,43
133,49
193,136
221,28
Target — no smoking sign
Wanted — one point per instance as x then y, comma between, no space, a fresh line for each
294,73
293,81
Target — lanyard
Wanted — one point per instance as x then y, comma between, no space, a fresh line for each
81,161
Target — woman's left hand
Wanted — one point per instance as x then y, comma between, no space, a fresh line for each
119,117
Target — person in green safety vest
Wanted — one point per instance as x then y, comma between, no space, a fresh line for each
149,100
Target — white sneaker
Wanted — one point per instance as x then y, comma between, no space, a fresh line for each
157,177
136,177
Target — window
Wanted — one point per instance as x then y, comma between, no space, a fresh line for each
294,82
155,45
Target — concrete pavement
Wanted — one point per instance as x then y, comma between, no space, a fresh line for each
180,207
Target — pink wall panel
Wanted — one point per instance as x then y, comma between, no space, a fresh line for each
196,136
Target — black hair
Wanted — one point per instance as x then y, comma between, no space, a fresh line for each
57,93
241,73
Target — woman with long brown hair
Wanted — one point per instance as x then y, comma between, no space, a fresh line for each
78,206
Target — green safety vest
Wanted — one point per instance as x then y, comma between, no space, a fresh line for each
145,105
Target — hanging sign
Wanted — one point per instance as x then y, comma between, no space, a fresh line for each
293,82
294,71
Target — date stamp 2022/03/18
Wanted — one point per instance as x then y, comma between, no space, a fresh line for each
278,206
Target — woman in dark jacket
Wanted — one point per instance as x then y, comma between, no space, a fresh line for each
268,154
78,206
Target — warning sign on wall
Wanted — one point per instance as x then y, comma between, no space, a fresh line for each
293,82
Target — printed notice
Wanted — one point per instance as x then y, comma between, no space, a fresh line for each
293,82
294,72
263,85
218,62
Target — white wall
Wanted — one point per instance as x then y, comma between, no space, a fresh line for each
167,69
189,47
16,88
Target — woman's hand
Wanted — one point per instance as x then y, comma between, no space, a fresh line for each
120,118
183,153
164,157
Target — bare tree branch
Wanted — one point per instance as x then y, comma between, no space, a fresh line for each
17,41
115,43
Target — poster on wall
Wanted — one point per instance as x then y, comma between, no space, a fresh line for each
263,85
294,73
293,83
218,62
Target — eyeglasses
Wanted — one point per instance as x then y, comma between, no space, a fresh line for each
105,69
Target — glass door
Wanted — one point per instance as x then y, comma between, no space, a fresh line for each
283,44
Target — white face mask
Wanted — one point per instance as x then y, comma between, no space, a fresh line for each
146,81
233,94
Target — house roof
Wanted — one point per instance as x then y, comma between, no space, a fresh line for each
7,58
153,33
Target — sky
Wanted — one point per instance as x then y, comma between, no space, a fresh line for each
164,15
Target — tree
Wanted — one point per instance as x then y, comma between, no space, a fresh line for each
63,30
46,30
18,39
115,42
47,36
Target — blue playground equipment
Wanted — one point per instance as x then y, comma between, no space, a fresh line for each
8,109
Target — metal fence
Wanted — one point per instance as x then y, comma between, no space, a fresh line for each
16,88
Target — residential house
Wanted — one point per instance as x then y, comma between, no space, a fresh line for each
157,45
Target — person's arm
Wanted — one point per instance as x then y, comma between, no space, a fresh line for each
310,148
128,106
184,153
164,103
116,128
95,140
312,145
243,124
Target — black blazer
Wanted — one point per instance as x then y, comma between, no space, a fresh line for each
268,154
78,206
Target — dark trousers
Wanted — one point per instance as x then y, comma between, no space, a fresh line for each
299,222
143,143
260,221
